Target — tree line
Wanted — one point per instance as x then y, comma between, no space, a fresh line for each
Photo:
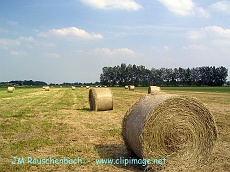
141,76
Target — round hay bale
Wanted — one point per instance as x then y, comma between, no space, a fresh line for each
10,89
178,128
131,88
154,90
73,88
43,87
87,87
126,87
100,99
47,88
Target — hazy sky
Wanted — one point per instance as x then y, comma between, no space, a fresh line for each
60,41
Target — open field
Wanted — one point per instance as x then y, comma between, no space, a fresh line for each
58,123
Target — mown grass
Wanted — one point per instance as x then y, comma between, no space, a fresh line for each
222,89
58,123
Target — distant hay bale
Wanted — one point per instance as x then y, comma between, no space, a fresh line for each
87,87
154,90
178,128
47,88
81,86
96,86
100,99
60,86
10,89
43,87
126,87
131,88
105,86
73,88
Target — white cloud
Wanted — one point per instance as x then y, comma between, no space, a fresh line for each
52,55
209,32
184,8
27,39
214,38
71,32
115,52
18,53
12,23
128,5
195,47
9,42
202,12
194,35
179,7
222,6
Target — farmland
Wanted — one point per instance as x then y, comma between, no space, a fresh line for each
58,123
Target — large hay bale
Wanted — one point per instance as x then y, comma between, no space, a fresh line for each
10,89
154,90
178,128
87,87
131,88
73,88
126,87
100,99
47,88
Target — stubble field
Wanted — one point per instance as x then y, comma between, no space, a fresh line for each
58,124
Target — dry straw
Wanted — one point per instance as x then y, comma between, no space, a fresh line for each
126,87
73,88
131,88
178,128
154,90
10,89
87,87
100,99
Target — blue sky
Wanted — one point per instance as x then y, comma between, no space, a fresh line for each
60,41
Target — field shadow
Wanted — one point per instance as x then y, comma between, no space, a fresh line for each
119,153
83,109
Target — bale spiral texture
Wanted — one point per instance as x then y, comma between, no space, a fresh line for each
154,90
100,99
10,89
174,127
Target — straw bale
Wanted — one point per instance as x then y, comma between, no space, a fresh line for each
10,89
126,87
131,88
87,87
178,128
73,88
154,90
100,99
47,88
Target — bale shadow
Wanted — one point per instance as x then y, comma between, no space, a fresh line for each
119,153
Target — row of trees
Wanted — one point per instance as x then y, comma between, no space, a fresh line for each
25,82
140,76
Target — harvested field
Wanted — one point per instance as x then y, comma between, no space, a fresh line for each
58,123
